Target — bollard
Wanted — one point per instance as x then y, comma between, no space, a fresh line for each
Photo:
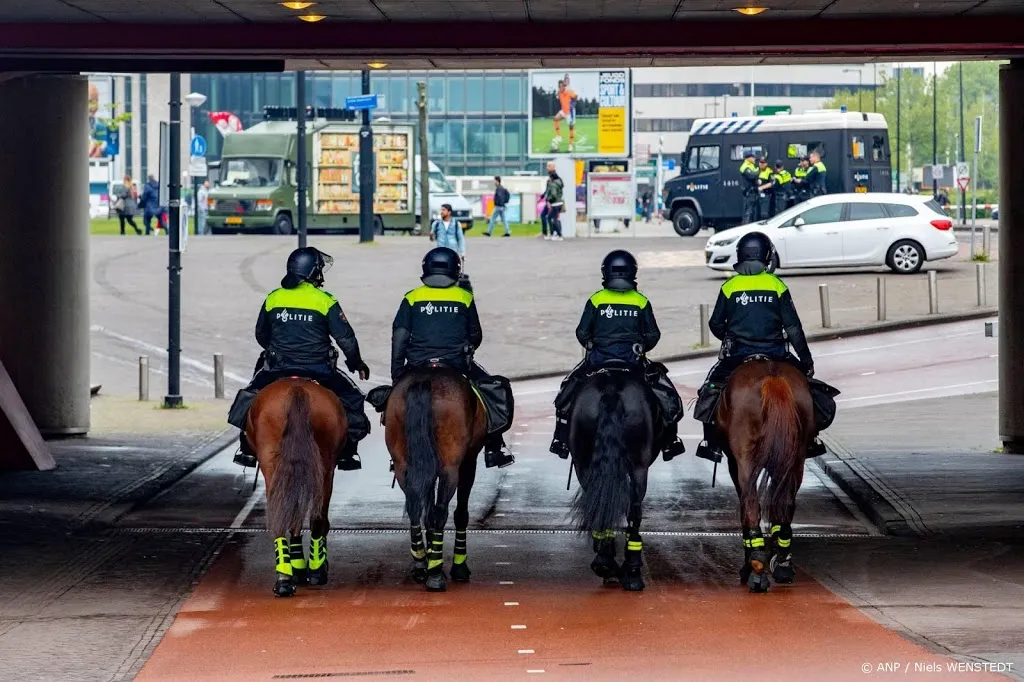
881,299
218,375
143,378
705,334
826,309
988,329
979,269
933,293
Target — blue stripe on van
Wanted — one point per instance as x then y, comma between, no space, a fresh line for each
715,127
700,130
756,125
730,126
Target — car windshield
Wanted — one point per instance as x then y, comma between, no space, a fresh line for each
439,183
250,172
780,218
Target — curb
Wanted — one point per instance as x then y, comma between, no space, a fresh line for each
832,335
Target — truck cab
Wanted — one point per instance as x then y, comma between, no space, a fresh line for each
854,147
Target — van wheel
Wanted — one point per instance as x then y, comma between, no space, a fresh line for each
905,257
283,224
686,222
378,225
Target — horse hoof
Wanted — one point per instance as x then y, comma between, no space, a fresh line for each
633,581
300,576
784,574
284,587
460,573
418,572
745,572
318,576
758,582
605,567
436,582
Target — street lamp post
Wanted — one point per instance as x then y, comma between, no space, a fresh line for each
874,88
899,102
963,156
935,128
194,101
173,398
860,86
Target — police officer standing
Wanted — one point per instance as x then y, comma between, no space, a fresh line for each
782,189
801,190
748,184
764,189
816,176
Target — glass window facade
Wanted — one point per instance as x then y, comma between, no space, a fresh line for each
819,91
477,119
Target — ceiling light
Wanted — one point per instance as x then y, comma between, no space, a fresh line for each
312,18
376,65
297,5
750,11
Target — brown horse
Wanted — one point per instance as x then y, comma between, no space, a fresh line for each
767,417
296,428
435,427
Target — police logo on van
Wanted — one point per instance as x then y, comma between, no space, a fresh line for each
694,187
861,176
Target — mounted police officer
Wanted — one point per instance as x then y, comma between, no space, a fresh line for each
295,327
438,322
754,315
618,325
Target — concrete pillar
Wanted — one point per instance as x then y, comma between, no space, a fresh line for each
1011,268
44,248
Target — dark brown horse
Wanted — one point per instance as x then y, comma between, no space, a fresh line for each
435,427
767,417
297,427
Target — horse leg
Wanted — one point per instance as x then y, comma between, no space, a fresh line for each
447,484
297,555
318,527
284,584
632,567
755,555
467,475
604,565
781,563
419,554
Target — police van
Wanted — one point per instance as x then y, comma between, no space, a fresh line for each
854,147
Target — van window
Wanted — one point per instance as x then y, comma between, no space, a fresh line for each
798,150
857,147
878,148
703,159
738,152
861,211
900,210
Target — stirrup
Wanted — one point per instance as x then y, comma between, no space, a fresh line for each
673,450
245,460
704,451
498,458
559,448
349,462
816,449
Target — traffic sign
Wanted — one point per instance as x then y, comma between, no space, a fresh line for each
963,170
962,182
642,153
668,164
197,167
361,102
937,172
198,146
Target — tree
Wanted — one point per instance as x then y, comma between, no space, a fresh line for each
981,97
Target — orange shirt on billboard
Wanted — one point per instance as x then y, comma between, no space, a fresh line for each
565,97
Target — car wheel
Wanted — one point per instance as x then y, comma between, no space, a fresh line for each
378,225
905,257
283,224
686,222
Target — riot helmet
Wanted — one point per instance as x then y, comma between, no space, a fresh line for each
618,271
754,247
442,268
307,264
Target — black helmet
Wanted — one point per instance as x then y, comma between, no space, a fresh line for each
754,246
441,267
307,264
618,271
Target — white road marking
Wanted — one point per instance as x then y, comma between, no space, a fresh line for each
162,352
511,603
898,344
526,651
250,504
950,387
518,627
534,672
506,582
867,374
502,563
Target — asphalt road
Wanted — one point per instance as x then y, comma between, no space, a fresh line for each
530,293
534,608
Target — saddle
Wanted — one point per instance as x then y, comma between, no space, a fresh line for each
378,397
239,410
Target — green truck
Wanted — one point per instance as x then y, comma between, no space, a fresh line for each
257,189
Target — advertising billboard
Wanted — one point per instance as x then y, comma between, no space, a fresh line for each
583,113
101,107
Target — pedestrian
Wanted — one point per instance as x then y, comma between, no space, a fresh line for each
126,204
501,197
203,207
748,184
447,232
554,196
150,201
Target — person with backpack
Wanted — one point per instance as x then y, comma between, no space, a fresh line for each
501,197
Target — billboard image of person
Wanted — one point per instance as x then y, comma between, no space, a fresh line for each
100,101
580,113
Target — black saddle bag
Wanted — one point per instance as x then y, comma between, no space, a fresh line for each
823,397
240,408
378,397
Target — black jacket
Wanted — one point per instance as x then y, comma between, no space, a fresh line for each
295,326
434,324
616,321
757,312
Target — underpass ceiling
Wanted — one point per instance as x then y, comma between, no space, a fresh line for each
426,34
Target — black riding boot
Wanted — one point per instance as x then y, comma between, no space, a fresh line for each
560,443
709,449
246,457
673,446
496,454
816,448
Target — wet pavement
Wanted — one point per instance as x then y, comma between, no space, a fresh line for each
913,402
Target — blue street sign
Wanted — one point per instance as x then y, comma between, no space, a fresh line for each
669,164
113,141
361,102
198,146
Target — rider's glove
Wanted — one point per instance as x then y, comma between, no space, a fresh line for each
810,370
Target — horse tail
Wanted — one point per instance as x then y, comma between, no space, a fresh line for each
779,446
297,485
421,451
603,500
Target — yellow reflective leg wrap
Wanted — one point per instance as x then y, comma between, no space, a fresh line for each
284,563
317,553
418,551
752,543
776,529
298,556
783,543
634,546
603,534
436,550
460,547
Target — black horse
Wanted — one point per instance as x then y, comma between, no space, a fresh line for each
613,440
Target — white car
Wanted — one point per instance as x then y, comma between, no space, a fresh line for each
848,230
